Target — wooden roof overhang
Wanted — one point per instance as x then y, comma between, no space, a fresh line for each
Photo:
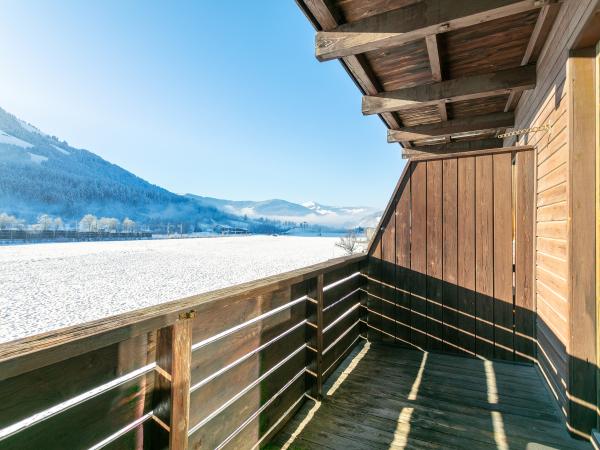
444,75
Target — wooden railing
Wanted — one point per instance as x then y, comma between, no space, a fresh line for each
224,369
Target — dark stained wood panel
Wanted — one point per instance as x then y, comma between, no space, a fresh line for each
476,107
450,253
434,250
353,10
403,275
495,45
418,261
401,67
503,257
388,279
484,255
452,221
466,254
419,116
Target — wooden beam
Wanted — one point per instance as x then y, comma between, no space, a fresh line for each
543,25
435,130
467,88
434,57
174,355
458,146
581,240
328,18
421,156
413,22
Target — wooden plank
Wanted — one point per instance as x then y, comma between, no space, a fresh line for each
413,22
434,57
89,422
424,156
503,257
220,353
341,290
484,255
374,290
146,436
216,428
35,391
434,254
543,25
341,326
260,428
403,270
418,261
320,326
466,254
334,311
524,262
450,254
211,395
582,227
388,277
466,88
446,129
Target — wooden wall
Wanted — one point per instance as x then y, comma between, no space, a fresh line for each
548,103
441,267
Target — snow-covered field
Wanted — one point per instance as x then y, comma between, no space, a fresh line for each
50,286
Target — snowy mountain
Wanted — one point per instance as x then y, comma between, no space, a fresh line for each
310,212
40,174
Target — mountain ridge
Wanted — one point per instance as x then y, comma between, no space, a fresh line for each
41,174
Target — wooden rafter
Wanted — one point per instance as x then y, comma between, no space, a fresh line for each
544,23
328,18
486,122
467,88
413,22
434,57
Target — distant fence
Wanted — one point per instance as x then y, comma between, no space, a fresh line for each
62,235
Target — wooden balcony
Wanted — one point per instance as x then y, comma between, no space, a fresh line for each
296,360
385,397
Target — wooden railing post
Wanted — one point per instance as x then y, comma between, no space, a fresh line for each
174,354
320,326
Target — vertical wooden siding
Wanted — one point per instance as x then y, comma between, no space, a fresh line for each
441,273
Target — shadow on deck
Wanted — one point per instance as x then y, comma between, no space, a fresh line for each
387,397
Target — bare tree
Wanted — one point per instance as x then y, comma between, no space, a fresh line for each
88,223
349,243
8,222
44,222
128,225
58,224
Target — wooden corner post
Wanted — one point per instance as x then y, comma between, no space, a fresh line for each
174,354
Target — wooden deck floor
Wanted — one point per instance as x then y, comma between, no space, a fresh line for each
385,397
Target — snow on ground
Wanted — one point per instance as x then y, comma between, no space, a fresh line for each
6,138
38,159
50,286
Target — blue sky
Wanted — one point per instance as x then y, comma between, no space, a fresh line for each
204,97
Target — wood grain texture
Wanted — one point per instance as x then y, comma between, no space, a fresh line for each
450,254
467,88
484,256
503,256
415,21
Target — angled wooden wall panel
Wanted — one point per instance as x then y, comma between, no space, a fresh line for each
452,228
